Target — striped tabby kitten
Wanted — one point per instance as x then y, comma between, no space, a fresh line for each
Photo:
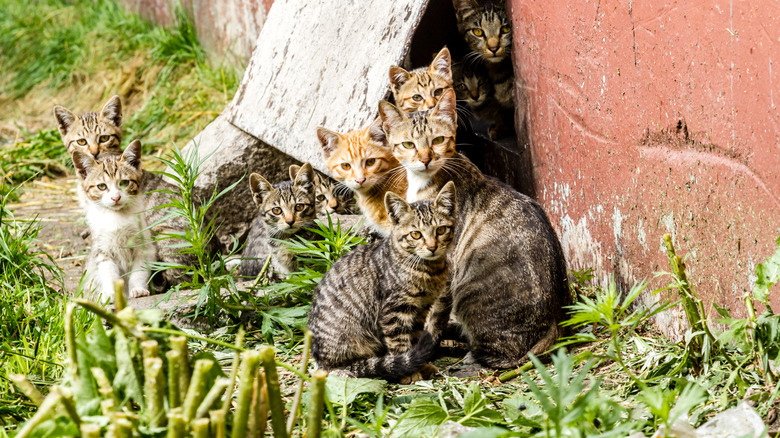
508,279
420,89
485,27
374,300
330,198
474,89
360,161
120,242
92,133
286,208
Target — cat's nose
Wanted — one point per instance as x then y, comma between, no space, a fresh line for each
360,181
474,94
290,221
116,198
425,161
333,203
433,248
494,48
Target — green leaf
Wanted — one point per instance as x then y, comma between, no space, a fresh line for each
523,411
767,274
422,418
489,432
344,391
127,378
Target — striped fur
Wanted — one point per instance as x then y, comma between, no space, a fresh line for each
373,302
330,197
420,89
286,208
508,273
474,88
92,133
361,161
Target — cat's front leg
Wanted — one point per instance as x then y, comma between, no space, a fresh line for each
439,316
107,273
138,282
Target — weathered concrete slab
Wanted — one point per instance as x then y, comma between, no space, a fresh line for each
654,117
323,63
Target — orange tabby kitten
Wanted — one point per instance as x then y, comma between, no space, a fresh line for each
361,160
421,88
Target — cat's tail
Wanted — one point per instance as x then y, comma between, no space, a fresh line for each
395,366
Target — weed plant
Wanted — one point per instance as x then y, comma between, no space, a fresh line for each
32,301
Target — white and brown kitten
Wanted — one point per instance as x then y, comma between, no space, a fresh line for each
372,304
120,243
286,208
92,133
421,88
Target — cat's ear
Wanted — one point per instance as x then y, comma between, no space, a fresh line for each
376,133
390,115
132,154
398,77
442,64
65,119
397,208
328,139
464,5
259,187
83,162
294,168
446,107
445,200
112,111
305,177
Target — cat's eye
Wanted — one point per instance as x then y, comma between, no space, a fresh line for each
478,32
81,141
277,210
370,162
506,29
461,87
346,166
124,183
408,145
441,230
438,140
415,235
437,92
417,98
102,186
299,207
103,138
320,197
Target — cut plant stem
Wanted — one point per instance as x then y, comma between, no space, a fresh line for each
509,375
299,392
176,424
217,423
250,362
174,369
179,344
28,388
119,297
233,374
90,430
70,345
200,428
154,391
150,349
317,400
50,403
212,397
274,393
197,390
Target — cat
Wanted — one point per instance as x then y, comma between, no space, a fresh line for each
361,161
487,31
121,244
508,281
372,302
474,89
286,208
330,198
420,89
92,133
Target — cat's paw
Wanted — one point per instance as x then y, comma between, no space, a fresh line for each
408,380
428,371
137,292
469,359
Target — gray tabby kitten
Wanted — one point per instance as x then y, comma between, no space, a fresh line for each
474,89
508,275
286,208
330,197
373,301
121,245
92,133
487,31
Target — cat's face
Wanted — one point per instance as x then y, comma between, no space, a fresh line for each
359,159
423,141
424,228
485,27
288,206
113,181
92,133
330,198
471,84
420,89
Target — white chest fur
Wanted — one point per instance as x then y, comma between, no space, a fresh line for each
416,183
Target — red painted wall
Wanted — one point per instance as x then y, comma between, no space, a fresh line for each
655,117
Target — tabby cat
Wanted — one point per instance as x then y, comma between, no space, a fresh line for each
330,198
486,28
373,301
508,281
120,244
286,208
92,133
474,89
421,88
361,161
